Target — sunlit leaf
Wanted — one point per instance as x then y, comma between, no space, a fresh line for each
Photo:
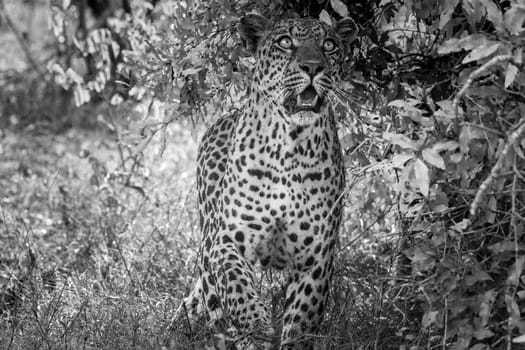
481,52
446,13
492,206
474,11
432,157
493,13
399,160
515,271
325,17
191,71
429,318
402,141
408,109
445,146
519,340
339,7
512,70
514,313
466,43
419,176
513,19
484,313
446,113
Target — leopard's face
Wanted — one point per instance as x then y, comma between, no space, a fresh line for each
299,63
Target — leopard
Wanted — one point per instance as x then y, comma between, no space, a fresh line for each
270,179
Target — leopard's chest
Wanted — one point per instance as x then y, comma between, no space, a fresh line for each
277,203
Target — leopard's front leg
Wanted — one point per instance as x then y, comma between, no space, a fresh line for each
232,278
306,298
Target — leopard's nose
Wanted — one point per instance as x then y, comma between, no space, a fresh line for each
311,68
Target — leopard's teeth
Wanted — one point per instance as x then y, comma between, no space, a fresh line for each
313,102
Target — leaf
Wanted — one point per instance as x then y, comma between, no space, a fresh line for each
191,71
476,275
464,337
519,340
325,17
481,52
475,13
466,43
445,146
446,113
419,176
401,140
399,160
515,272
484,313
116,99
483,333
513,19
421,257
514,313
339,7
479,346
512,70
467,134
447,12
429,318
433,158
408,109
493,207
503,246
493,13
408,103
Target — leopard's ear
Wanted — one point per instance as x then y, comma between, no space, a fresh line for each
347,29
251,28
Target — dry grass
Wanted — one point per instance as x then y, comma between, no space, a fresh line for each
86,262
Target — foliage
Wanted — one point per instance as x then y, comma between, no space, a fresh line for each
432,246
462,157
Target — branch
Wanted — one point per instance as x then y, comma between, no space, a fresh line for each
20,38
497,168
474,75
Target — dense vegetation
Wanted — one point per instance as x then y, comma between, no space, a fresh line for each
98,229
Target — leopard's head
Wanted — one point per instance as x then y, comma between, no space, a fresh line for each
299,62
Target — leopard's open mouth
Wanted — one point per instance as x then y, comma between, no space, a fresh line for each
307,100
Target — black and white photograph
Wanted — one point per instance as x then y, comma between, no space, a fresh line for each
262,175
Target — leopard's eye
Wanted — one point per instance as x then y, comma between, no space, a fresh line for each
285,42
329,45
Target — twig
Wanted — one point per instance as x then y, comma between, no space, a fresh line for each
445,324
473,76
496,169
514,227
20,38
484,128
